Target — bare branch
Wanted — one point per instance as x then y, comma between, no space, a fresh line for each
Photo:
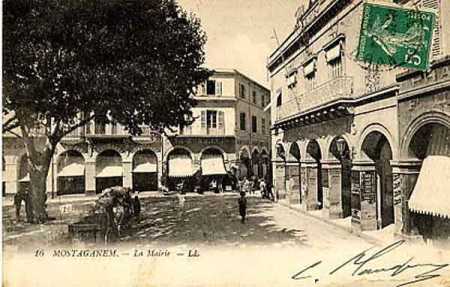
10,124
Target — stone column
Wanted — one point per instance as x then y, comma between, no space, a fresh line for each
293,181
311,186
405,174
90,173
127,169
364,196
333,195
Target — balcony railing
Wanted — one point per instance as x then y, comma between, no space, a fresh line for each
287,109
341,87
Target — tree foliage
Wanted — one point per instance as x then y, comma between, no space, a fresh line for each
66,60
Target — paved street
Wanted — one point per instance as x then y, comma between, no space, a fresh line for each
269,249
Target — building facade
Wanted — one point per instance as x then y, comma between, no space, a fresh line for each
343,130
231,130
230,133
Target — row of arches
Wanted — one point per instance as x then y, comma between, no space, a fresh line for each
255,164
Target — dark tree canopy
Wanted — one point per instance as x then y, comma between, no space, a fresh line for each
139,59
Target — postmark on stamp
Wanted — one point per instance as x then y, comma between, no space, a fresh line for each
395,36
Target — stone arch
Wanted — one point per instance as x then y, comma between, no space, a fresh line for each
224,154
294,152
432,117
280,149
376,127
313,150
338,148
166,156
331,140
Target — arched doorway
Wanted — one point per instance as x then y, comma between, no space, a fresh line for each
145,171
70,173
429,198
255,163
339,149
180,169
377,148
244,165
109,170
293,174
314,154
213,170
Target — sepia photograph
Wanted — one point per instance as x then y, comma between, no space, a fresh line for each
225,143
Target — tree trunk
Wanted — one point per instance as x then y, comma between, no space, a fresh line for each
38,196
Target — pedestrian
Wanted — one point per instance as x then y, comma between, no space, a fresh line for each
263,188
20,196
247,185
137,207
269,188
242,207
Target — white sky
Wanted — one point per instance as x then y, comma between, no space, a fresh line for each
240,32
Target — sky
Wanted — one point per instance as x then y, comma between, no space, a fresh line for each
241,32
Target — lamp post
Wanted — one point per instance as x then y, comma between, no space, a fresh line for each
340,144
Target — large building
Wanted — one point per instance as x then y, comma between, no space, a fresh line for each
231,133
349,138
230,130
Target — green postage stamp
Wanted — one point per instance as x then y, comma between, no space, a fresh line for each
395,36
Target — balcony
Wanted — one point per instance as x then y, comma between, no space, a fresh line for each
332,90
287,109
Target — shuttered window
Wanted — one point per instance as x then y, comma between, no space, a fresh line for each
220,121
203,121
436,45
242,121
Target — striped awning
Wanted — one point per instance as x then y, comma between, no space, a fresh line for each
213,165
73,169
180,165
432,190
310,67
333,53
110,171
145,167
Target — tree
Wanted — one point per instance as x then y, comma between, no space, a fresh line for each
66,61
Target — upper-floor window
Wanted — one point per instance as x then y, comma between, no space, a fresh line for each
309,70
263,125
310,82
242,121
263,100
212,88
100,123
336,69
254,124
279,98
254,97
212,122
333,55
242,91
291,78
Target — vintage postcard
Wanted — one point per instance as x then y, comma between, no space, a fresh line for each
226,143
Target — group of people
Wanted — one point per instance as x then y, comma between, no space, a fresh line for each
248,186
119,207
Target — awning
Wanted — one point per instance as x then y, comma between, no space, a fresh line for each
73,169
333,53
310,67
145,167
431,193
213,165
180,165
26,178
111,171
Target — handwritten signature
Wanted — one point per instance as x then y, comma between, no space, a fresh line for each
361,263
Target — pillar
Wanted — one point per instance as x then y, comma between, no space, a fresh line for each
310,184
90,173
127,169
405,174
332,188
364,196
293,182
280,180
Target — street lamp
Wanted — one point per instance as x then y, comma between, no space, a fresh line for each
340,144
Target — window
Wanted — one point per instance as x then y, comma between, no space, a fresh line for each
254,97
100,125
263,100
254,124
263,125
212,122
213,88
242,91
291,79
335,68
279,99
310,81
242,121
